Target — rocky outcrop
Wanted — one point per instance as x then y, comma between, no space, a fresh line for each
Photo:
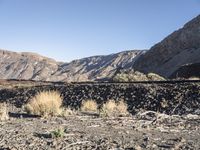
180,48
31,66
187,71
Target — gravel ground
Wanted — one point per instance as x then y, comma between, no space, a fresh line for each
146,130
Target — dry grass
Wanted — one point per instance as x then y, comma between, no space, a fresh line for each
67,112
3,112
155,77
89,105
194,78
114,109
164,103
45,104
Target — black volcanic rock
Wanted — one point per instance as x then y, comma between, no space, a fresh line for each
168,98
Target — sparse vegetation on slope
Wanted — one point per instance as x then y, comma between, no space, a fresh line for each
131,76
155,77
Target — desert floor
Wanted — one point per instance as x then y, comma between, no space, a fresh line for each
146,130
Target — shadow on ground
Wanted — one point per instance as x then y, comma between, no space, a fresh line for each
22,115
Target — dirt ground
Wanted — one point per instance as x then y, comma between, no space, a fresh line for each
143,130
146,130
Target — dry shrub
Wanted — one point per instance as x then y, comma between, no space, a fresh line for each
3,112
194,78
67,112
132,76
89,105
114,109
164,103
155,77
45,104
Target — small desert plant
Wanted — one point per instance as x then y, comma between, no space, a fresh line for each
58,133
45,104
89,105
3,112
164,103
114,109
67,112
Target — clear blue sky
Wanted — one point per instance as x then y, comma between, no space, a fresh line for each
71,29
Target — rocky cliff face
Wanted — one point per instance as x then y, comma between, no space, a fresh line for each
30,66
179,49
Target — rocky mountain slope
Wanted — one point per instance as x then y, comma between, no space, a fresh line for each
26,66
181,48
30,66
96,67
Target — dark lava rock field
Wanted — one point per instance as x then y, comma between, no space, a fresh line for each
169,98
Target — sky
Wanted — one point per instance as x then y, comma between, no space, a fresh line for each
73,29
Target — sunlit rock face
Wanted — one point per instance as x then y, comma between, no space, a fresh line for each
28,66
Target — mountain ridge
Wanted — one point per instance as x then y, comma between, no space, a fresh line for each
173,57
32,66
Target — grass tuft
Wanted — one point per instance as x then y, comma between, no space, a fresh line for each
58,133
114,109
89,106
45,104
3,112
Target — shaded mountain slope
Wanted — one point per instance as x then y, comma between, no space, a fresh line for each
178,49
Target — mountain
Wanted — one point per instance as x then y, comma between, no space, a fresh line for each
31,66
26,66
97,67
178,55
